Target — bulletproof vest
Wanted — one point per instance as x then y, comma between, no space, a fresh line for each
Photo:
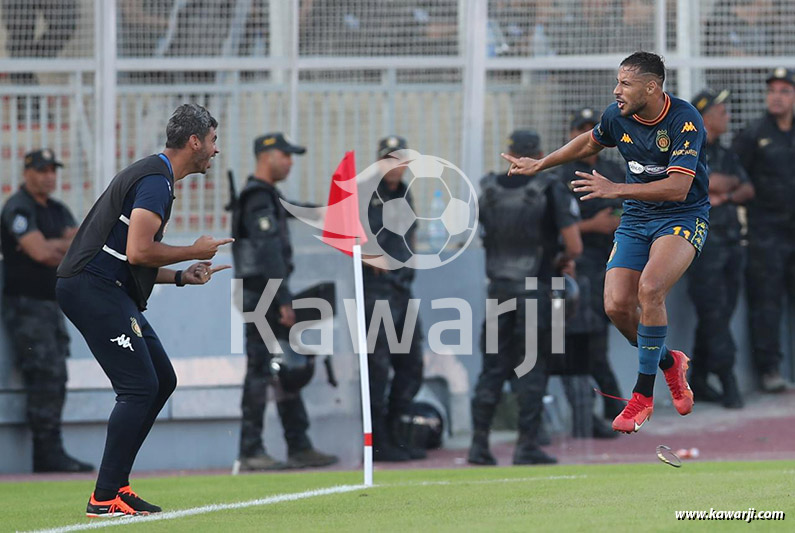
261,257
512,224
105,213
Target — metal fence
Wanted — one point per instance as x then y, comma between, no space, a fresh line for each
97,79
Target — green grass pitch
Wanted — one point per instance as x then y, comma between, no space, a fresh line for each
638,497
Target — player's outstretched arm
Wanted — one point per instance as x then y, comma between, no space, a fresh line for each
674,188
577,148
143,250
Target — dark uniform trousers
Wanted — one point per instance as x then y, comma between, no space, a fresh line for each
500,367
407,367
586,346
41,344
133,359
259,377
713,283
770,276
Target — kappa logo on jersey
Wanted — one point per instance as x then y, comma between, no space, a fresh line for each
688,127
626,138
123,341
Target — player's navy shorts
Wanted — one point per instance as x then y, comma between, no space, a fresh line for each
633,238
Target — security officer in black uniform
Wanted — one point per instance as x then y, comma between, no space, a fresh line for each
36,230
715,277
523,219
587,331
262,251
390,440
766,148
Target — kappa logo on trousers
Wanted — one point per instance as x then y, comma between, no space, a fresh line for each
123,341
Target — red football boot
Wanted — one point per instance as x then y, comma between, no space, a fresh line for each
676,378
638,410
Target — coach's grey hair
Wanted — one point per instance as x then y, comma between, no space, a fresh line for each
187,120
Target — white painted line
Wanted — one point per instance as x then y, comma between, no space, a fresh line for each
99,523
485,481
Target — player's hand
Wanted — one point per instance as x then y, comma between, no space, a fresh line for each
522,165
605,221
595,186
200,273
286,315
205,247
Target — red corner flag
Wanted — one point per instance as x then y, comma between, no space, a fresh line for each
342,224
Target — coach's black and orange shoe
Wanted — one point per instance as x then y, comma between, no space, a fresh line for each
676,378
136,502
114,507
638,410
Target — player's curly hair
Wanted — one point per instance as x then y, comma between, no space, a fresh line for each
187,120
646,63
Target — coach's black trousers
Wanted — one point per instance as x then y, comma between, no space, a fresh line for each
128,350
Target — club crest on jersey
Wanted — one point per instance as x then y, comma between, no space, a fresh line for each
663,141
135,327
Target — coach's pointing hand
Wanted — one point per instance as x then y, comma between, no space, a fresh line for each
595,185
522,165
200,273
206,247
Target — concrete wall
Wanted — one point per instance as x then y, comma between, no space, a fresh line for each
199,426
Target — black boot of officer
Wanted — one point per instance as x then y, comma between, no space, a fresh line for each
402,433
731,399
300,453
384,450
49,455
479,453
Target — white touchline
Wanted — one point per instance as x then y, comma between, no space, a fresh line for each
99,523
485,481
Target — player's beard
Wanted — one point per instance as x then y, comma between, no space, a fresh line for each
631,108
201,161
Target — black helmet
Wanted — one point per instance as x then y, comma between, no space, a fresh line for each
426,425
292,369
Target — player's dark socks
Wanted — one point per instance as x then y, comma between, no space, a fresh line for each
103,495
651,340
645,385
666,360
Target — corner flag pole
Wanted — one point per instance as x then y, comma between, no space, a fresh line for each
364,373
342,229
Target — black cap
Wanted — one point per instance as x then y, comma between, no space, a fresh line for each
40,159
524,142
708,98
783,74
390,144
278,141
586,115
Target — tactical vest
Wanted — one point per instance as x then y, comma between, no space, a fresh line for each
512,223
93,233
269,258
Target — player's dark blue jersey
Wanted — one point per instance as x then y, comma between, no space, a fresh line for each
673,142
